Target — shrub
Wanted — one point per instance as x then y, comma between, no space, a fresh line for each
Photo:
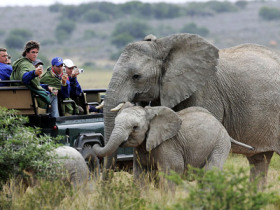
95,16
57,7
88,34
22,151
64,29
222,190
268,13
136,29
219,7
194,29
241,4
17,38
122,39
163,10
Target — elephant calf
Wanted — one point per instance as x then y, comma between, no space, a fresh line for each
169,140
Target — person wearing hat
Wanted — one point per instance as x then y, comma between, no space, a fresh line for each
72,71
5,69
37,63
55,79
25,71
75,89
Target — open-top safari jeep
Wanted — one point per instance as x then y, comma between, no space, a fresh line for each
80,131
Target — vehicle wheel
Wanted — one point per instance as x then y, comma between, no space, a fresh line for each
92,160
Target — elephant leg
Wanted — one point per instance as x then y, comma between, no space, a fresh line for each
260,163
218,156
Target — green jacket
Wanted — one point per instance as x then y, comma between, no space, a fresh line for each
20,67
50,79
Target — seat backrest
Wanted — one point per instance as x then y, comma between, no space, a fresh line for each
19,98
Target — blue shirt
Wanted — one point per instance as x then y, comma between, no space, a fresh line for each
5,72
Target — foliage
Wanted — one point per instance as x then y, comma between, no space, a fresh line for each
64,29
216,189
241,4
95,16
119,194
57,7
209,8
122,39
17,38
269,13
22,151
136,29
163,10
45,193
221,6
194,29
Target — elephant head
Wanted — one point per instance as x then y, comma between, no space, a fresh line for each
165,71
134,124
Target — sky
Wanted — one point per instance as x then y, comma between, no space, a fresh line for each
4,3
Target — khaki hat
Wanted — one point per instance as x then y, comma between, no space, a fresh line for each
68,63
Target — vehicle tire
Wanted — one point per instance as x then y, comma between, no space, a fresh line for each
92,160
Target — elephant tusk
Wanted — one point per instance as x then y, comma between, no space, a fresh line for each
117,108
100,106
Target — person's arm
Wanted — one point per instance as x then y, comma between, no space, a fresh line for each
6,73
75,89
65,90
28,76
45,86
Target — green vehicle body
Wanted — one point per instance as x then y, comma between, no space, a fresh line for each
79,131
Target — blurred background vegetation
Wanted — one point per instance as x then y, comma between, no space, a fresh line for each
94,34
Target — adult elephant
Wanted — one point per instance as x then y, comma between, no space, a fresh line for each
240,86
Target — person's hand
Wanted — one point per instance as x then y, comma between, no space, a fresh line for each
53,90
64,79
39,71
75,72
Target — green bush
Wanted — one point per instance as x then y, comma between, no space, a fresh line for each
222,190
64,30
268,13
198,9
17,38
221,6
194,29
95,16
163,10
137,29
22,151
57,7
241,4
122,39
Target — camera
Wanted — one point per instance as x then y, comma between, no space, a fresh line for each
81,71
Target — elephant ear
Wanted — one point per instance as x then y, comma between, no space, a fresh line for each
164,124
189,61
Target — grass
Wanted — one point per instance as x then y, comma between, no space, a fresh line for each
121,192
95,79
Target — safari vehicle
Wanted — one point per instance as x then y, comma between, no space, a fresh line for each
80,131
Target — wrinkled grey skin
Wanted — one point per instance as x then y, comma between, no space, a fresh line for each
167,140
74,164
240,86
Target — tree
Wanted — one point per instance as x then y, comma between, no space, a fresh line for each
17,38
64,29
194,29
268,13
136,29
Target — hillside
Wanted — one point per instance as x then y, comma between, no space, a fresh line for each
226,29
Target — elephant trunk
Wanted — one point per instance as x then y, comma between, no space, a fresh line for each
118,136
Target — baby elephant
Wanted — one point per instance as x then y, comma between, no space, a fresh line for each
168,140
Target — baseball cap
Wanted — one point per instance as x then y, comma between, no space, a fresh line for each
37,61
69,63
57,61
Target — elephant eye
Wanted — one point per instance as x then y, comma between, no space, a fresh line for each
135,127
136,76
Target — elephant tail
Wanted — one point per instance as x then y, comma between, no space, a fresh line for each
241,144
